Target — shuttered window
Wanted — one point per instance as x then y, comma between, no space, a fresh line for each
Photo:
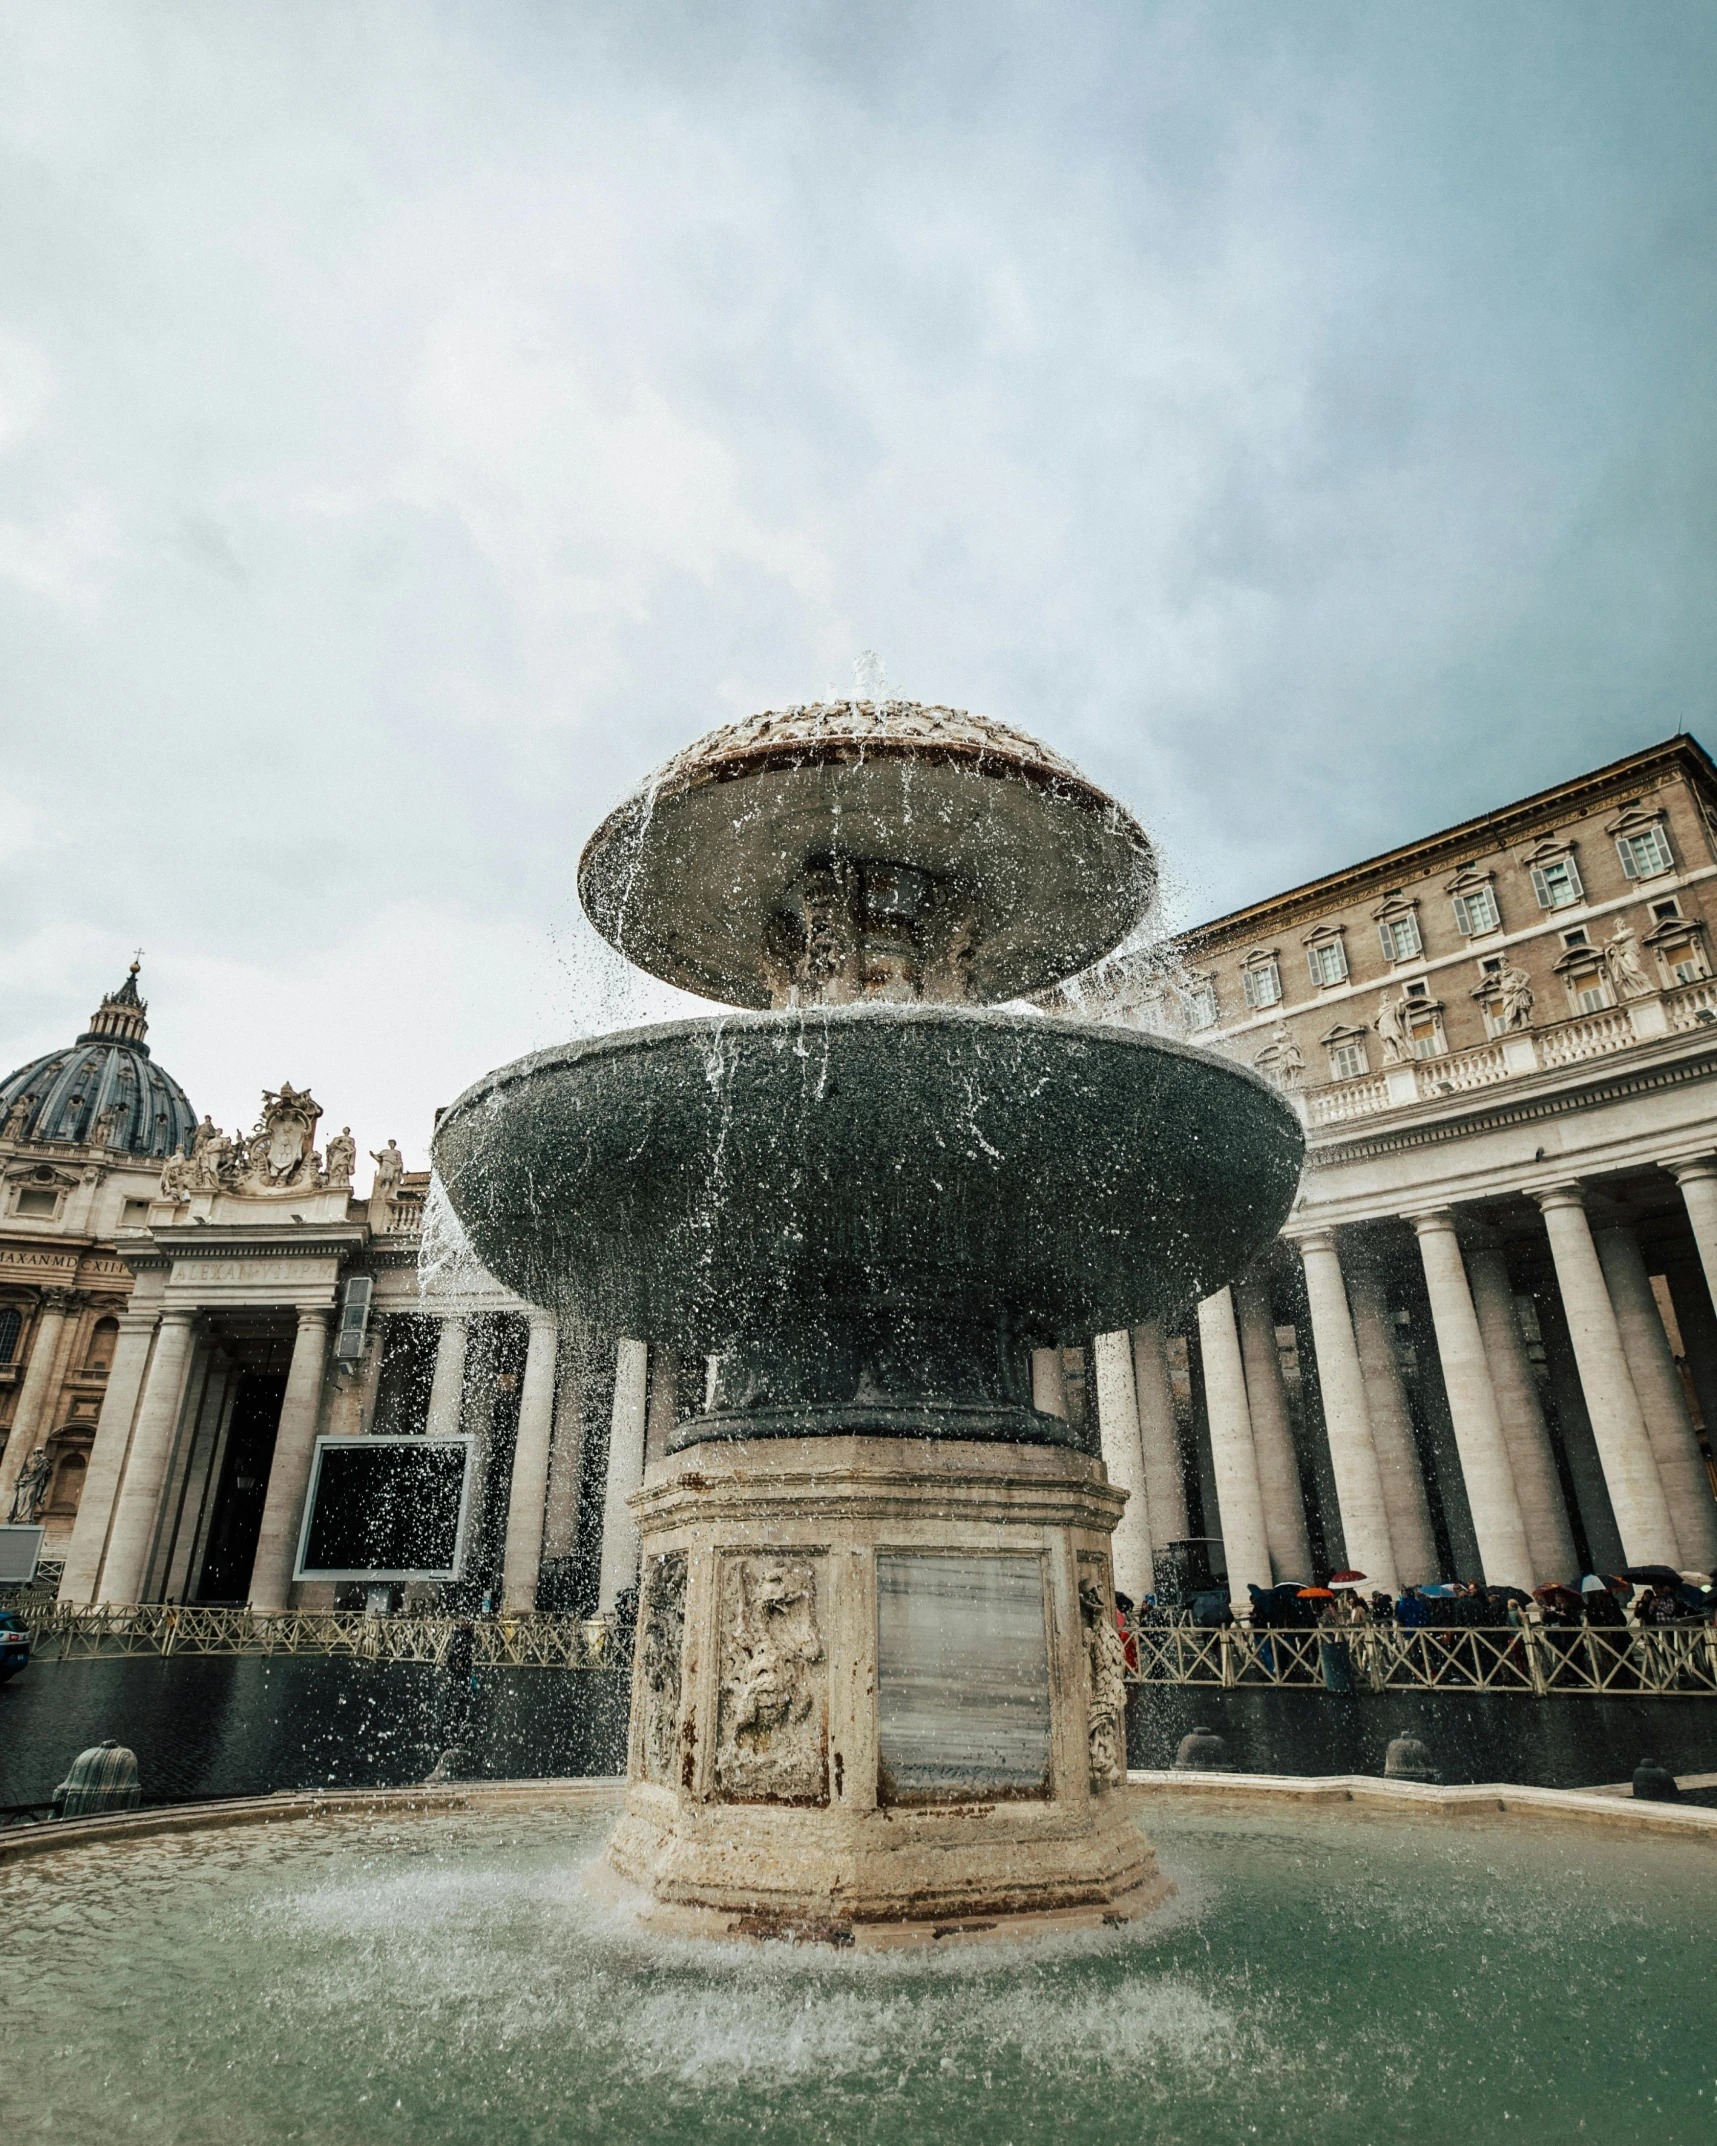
1400,937
1477,911
1346,1060
1644,854
1262,983
1557,885
1327,962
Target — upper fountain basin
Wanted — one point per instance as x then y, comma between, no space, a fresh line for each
703,1181
969,862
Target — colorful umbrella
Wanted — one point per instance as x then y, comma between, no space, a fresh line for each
1314,1594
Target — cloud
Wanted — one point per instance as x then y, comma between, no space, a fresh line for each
416,422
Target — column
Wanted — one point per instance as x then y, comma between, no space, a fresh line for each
447,1388
662,1411
1698,1182
146,1465
1123,1457
1485,1467
1398,1463
528,1497
36,1397
1347,1417
1239,1500
107,1455
1680,1466
1537,1486
1159,1437
1618,1424
625,1473
1272,1436
289,1471
1049,1382
566,1459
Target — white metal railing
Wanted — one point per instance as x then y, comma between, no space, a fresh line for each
64,1633
1667,1661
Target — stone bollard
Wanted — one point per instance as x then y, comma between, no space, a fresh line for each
1408,1759
1204,1752
103,1778
1654,1783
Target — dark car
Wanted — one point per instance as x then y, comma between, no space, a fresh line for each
14,1644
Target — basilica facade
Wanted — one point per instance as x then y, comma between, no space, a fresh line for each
1484,1345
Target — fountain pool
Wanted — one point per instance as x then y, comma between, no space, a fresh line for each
448,1976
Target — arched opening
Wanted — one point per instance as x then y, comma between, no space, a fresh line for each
68,1484
11,1326
98,1360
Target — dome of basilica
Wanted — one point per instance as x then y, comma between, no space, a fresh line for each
104,1090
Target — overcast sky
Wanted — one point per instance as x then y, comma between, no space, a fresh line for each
417,421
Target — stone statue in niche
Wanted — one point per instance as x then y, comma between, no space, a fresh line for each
1392,1031
1621,959
31,1487
1515,987
771,1732
1105,1687
342,1156
661,1642
19,1116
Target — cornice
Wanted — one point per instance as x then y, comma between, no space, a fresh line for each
1509,824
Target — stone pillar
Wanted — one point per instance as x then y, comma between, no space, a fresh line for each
1123,1457
37,1394
528,1497
1239,1500
1618,1424
289,1471
146,1465
1485,1467
662,1409
1698,1182
1537,1486
625,1472
1347,1416
566,1459
1272,1435
1651,1366
1159,1439
1049,1382
447,1388
1398,1462
95,1513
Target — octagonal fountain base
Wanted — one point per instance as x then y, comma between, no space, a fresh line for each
878,1693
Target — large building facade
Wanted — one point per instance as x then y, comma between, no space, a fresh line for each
1484,1345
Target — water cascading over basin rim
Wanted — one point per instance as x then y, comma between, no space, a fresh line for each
871,1214
1042,871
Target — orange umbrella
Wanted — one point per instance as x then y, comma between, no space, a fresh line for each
1314,1594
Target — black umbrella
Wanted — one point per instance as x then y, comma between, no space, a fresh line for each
1652,1575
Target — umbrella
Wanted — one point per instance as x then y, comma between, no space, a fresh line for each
1560,1597
1314,1594
1437,1587
1653,1575
1697,1579
1345,1579
1510,1594
1594,1583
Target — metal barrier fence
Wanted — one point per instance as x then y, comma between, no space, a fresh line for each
64,1633
1676,1661
1544,1662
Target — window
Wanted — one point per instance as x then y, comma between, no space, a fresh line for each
39,1201
1347,1060
1491,965
1645,854
1327,962
1201,1009
1689,969
68,1484
101,1347
1663,911
1579,936
1420,989
1477,911
1400,937
1591,998
1262,981
11,1325
134,1214
1557,884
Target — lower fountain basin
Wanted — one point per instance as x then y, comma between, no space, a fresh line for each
1322,1978
869,1214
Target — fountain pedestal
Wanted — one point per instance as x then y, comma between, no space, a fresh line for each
878,1690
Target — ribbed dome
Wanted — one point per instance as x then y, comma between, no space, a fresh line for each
107,1074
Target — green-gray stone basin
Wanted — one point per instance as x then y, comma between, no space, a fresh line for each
871,1214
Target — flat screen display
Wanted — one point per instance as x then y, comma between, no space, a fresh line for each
385,1509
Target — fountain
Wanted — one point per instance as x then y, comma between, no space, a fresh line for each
878,1685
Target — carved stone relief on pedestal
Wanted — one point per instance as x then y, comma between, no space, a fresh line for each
1105,1681
772,1726
660,1647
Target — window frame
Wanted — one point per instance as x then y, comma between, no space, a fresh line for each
1659,839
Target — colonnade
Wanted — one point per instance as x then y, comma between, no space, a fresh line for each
1646,1468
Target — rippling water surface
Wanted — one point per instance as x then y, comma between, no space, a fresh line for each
445,1979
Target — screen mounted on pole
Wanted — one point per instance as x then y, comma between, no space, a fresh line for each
385,1509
